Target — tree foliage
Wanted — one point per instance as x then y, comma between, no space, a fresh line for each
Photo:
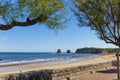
29,12
102,16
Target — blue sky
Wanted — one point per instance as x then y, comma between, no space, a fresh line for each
38,38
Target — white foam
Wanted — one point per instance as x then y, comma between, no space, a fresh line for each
26,61
3,63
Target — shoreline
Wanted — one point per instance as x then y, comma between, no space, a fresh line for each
48,61
37,66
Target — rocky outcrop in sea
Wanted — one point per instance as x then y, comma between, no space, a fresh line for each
59,51
68,51
1,59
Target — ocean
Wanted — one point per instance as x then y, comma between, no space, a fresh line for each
28,57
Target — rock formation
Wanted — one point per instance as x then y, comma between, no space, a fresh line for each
1,59
59,51
68,51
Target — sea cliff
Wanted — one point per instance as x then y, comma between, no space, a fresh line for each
97,50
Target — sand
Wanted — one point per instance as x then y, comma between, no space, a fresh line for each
109,74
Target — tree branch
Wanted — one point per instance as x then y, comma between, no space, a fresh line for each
28,22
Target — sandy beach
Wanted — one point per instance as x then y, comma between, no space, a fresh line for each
95,76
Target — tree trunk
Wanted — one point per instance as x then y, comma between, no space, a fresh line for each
118,69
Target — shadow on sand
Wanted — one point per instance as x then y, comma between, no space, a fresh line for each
110,71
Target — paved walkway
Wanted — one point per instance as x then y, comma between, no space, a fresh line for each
110,74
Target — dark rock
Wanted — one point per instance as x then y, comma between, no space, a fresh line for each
1,59
59,51
68,78
68,51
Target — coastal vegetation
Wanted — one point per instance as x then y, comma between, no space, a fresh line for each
29,12
103,17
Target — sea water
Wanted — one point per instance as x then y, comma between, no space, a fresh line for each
28,57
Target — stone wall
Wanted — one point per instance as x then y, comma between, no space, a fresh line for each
58,74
